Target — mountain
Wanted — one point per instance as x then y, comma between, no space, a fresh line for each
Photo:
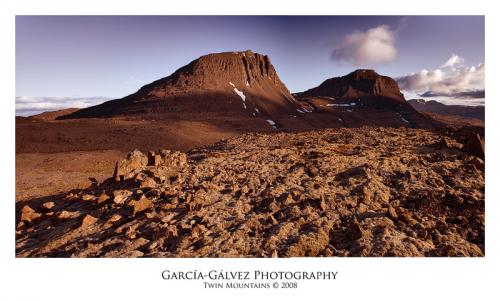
241,83
245,86
370,98
360,83
451,113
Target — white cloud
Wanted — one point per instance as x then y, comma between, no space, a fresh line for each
31,105
453,61
455,80
375,46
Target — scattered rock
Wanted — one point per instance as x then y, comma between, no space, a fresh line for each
115,218
68,214
148,183
28,214
48,205
135,160
87,197
120,196
342,192
102,198
88,221
140,205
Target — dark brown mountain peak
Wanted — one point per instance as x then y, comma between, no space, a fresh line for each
363,74
240,81
359,83
214,72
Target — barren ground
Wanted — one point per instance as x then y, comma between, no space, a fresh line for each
339,192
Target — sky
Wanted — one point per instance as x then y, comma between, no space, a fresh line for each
77,61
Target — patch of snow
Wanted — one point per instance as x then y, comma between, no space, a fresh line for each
271,123
340,119
349,110
403,119
300,111
232,84
243,97
337,104
248,85
293,116
253,114
257,110
341,104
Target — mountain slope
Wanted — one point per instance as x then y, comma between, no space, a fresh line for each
241,83
367,97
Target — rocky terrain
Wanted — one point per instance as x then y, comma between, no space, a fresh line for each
333,192
228,163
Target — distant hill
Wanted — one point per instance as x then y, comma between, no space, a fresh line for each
450,113
371,98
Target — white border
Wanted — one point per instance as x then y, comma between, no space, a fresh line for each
133,279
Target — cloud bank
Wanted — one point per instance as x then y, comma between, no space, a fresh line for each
454,80
372,47
453,61
30,105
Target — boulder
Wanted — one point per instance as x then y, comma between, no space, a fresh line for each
474,145
173,158
140,205
120,196
124,168
88,221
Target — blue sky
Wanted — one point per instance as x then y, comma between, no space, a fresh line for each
80,60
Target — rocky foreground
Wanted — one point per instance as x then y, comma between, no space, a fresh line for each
342,192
